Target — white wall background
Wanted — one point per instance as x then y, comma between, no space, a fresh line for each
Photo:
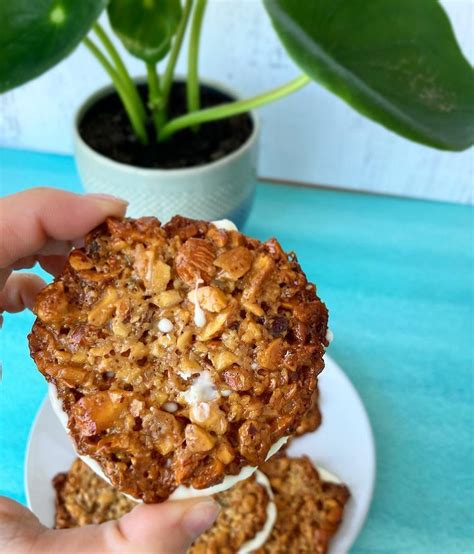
311,137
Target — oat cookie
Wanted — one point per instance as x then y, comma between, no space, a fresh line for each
181,353
309,508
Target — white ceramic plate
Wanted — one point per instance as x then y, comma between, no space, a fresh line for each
343,444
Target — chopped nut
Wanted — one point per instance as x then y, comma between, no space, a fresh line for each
253,308
238,378
262,266
214,327
197,439
225,453
93,414
213,419
163,430
251,332
184,340
79,261
102,310
272,357
154,273
51,303
73,376
209,298
254,441
218,236
235,262
168,298
195,261
222,359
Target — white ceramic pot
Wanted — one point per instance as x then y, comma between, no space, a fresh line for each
221,189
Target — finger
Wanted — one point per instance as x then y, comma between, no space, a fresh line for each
19,528
40,219
20,292
53,264
168,528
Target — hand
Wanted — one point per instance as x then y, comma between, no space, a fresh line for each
42,225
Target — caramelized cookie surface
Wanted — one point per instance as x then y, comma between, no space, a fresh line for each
180,353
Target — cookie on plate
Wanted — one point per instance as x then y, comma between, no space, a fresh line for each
310,506
179,354
83,498
312,418
245,521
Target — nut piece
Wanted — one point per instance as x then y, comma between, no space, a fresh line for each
214,327
222,359
51,303
104,308
94,414
168,298
235,262
195,261
238,378
163,430
197,439
225,453
211,299
154,273
254,441
79,261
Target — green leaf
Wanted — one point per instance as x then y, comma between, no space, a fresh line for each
37,34
395,61
146,27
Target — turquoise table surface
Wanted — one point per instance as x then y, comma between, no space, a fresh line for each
398,277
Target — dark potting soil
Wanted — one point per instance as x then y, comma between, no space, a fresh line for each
106,129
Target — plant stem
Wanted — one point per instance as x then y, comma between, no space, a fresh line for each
231,108
124,94
168,75
120,68
192,88
155,98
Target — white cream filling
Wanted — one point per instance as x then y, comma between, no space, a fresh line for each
327,476
329,336
203,389
165,325
181,492
261,537
225,224
199,314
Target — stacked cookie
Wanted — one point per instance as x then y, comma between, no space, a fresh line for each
286,506
180,357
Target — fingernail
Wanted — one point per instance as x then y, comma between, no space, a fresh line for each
200,517
106,197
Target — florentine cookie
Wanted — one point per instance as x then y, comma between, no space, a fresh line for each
180,353
312,418
309,507
83,498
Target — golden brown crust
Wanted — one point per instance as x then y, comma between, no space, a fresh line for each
312,418
82,498
243,515
309,509
124,383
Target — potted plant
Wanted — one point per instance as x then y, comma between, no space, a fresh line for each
189,146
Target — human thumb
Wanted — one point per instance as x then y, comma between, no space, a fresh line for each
167,528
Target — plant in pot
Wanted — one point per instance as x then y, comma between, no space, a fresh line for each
188,146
